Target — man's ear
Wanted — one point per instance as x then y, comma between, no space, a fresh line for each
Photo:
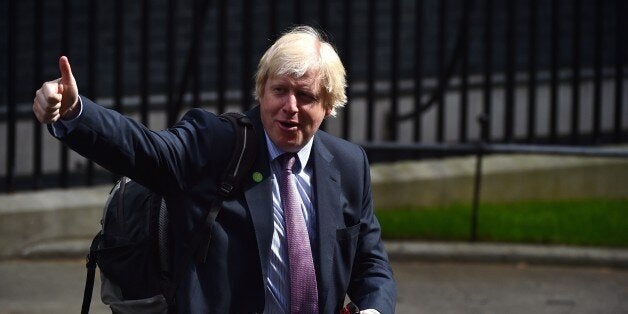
327,112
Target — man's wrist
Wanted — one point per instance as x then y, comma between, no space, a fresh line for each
73,112
62,127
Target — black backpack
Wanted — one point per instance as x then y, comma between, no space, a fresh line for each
133,250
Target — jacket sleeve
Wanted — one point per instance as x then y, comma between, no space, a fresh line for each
165,161
372,283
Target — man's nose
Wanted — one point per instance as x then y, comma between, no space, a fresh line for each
291,105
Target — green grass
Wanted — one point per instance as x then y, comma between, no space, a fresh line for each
583,222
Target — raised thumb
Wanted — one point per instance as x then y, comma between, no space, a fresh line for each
67,78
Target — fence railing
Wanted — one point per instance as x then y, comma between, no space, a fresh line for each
420,72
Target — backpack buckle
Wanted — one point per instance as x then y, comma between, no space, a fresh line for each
90,260
225,189
246,120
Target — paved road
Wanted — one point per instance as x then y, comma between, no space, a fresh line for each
508,288
53,287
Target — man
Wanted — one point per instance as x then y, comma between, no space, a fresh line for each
301,236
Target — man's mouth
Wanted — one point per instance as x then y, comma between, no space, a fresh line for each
288,124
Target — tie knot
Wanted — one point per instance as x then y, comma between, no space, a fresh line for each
287,161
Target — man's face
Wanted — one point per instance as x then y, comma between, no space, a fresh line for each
292,110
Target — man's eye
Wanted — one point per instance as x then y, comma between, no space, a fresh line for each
306,98
279,90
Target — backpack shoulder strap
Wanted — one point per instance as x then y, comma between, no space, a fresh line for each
242,159
91,273
244,153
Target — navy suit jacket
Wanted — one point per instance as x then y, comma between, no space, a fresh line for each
184,163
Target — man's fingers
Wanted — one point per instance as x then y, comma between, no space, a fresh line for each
48,94
66,71
48,103
43,115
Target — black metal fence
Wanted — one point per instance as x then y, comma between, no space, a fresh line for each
421,72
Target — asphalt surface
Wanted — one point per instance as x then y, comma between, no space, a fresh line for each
56,286
509,288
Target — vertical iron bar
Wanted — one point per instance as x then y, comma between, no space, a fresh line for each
477,184
575,77
192,60
247,20
464,77
91,72
322,13
620,28
11,97
532,75
298,11
196,55
394,80
118,57
440,61
488,68
65,46
347,56
597,72
118,62
370,52
170,61
222,54
273,19
554,46
38,70
476,194
322,20
418,67
144,57
509,103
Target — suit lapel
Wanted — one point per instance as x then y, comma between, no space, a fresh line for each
259,195
327,190
260,208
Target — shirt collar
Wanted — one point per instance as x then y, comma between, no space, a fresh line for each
303,154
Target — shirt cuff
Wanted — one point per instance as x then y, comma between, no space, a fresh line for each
369,311
62,128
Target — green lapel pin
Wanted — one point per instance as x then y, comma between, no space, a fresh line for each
257,177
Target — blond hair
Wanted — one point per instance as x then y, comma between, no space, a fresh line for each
297,51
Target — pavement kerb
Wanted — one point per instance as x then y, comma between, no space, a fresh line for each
426,252
507,253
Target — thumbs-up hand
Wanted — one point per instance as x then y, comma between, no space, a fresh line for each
57,99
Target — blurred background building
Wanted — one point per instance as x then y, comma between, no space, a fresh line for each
426,77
